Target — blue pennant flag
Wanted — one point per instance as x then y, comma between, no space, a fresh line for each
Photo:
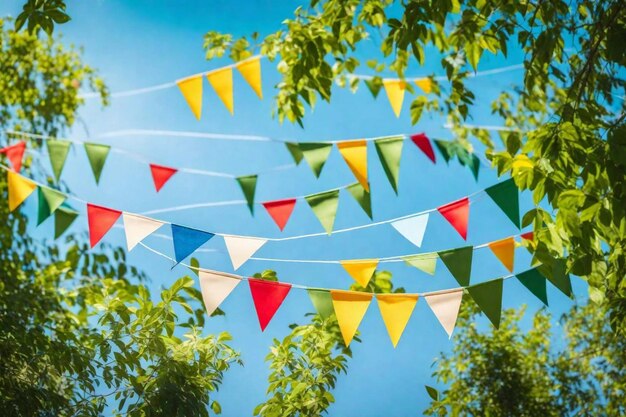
187,240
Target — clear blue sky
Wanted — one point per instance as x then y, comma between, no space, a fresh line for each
142,43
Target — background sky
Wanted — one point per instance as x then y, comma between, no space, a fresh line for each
142,43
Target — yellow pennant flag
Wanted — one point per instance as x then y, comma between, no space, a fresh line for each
222,82
425,84
251,72
395,94
354,152
192,91
505,251
396,310
350,307
361,270
19,189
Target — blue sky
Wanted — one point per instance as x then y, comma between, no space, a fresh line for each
142,43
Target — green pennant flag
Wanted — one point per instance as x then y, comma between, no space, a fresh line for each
362,197
295,152
459,263
535,282
248,186
506,196
324,205
49,201
64,216
444,149
57,151
488,297
97,155
322,301
374,85
389,152
315,155
426,262
559,277
474,166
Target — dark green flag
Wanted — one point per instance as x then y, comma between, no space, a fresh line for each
506,196
474,166
57,151
389,152
459,263
488,297
362,197
535,282
316,155
64,216
443,147
324,206
97,155
559,277
322,301
295,152
49,201
374,85
248,186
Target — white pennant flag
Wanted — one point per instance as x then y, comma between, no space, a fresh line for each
240,249
215,288
446,308
412,228
137,228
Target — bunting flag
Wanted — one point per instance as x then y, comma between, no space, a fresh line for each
322,301
215,288
504,250
459,263
360,270
240,249
425,84
137,228
426,262
457,214
250,70
488,297
395,94
535,282
49,201
396,310
64,216
560,278
423,143
267,297
191,88
97,155
474,165
413,228
362,197
248,186
528,235
324,206
280,211
389,152
15,155
20,189
355,154
58,151
160,175
445,306
100,220
506,196
315,155
350,307
187,240
374,85
442,146
222,82
295,152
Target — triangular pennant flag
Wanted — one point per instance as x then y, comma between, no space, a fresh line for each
354,152
187,240
15,155
425,84
58,151
280,211
389,152
459,263
222,82
64,216
19,189
413,228
457,214
251,72
324,206
315,155
248,186
361,270
425,262
97,155
446,306
100,220
395,94
295,152
160,175
137,228
422,142
535,282
374,85
215,288
474,166
560,278
49,201
322,301
267,297
191,88
350,307
362,197
505,251
528,235
488,297
444,149
396,310
506,196
240,249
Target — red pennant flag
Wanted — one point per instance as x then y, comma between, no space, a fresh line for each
100,220
15,154
422,142
528,235
280,210
267,297
161,174
457,213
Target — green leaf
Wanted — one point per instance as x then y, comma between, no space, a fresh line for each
432,393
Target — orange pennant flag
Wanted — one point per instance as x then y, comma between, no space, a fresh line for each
395,94
350,307
505,251
361,270
222,82
192,91
251,72
425,84
354,152
396,310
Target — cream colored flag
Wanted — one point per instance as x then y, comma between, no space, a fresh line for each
250,69
240,249
446,308
137,228
192,91
222,82
215,288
